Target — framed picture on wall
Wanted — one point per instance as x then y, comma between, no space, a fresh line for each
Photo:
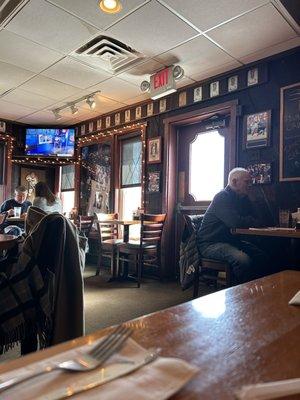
289,148
154,182
261,173
154,150
257,129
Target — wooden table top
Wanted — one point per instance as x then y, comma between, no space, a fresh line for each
242,335
7,241
278,232
15,219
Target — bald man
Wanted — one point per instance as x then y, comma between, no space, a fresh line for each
231,208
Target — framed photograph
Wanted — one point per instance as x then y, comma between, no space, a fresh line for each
214,89
289,145
233,83
91,126
182,99
117,118
107,122
261,173
197,94
127,116
162,105
252,77
149,109
154,182
257,129
99,124
138,112
82,129
154,150
2,126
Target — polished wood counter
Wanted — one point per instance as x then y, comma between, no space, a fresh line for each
242,335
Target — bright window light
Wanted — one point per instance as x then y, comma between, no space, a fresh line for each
207,165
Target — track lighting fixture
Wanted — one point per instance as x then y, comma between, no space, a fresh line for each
74,109
91,102
57,115
110,6
89,99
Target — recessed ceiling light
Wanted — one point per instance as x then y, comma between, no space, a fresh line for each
110,6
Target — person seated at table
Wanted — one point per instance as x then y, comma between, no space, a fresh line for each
232,208
45,199
20,200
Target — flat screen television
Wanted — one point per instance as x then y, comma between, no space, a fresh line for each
47,142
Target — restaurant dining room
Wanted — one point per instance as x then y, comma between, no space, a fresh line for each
149,199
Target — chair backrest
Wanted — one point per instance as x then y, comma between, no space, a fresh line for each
106,227
151,228
3,217
85,223
193,222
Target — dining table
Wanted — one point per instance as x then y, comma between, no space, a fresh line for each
291,233
7,241
243,335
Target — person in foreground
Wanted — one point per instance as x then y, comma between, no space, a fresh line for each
232,208
20,200
45,199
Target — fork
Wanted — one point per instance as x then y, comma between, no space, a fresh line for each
84,362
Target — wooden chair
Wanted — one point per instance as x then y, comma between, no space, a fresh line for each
108,232
223,271
146,251
85,223
3,217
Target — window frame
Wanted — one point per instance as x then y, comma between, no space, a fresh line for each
127,139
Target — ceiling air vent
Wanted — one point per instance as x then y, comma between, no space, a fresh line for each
8,9
108,53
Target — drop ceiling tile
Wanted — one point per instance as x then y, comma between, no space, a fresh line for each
41,117
207,14
185,81
138,99
89,11
31,100
12,76
75,73
211,72
50,26
141,72
13,112
269,51
117,89
252,32
16,50
103,105
45,86
152,30
199,53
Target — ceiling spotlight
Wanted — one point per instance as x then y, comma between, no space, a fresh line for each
57,114
110,6
91,102
145,86
177,72
74,110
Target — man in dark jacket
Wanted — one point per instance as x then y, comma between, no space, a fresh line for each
231,208
20,200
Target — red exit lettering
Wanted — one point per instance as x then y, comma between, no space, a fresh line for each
161,78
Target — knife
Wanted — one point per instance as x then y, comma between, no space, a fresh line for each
99,377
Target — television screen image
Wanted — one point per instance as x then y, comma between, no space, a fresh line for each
50,142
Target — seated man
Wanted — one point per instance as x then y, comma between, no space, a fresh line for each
231,208
18,201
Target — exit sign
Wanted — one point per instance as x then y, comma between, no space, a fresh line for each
162,83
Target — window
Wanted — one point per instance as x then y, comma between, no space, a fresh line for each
131,162
206,165
67,180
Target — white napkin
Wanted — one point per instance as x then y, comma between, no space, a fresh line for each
295,300
157,380
270,390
